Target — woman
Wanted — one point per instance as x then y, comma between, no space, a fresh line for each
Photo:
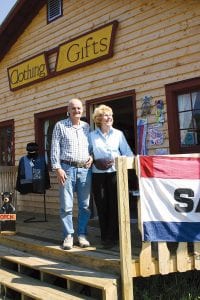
107,144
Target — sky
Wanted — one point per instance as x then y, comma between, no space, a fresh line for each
5,7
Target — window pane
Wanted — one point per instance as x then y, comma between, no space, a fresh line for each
185,120
9,145
184,102
196,100
48,127
196,125
187,138
6,146
196,117
46,141
2,147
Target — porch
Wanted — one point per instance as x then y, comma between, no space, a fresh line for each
90,273
118,265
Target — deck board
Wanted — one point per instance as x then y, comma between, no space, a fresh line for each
34,288
64,270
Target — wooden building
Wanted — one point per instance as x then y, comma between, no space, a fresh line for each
139,57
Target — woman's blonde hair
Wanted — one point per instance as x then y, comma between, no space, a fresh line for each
99,112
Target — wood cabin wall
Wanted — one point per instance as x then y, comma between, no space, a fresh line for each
157,42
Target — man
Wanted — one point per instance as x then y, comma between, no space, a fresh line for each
71,160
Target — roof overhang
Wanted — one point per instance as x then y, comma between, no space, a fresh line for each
16,22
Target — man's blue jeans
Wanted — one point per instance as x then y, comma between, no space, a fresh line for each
79,181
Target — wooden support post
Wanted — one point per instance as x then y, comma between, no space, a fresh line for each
197,255
124,229
182,257
163,258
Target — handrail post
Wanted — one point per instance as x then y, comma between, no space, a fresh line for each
124,228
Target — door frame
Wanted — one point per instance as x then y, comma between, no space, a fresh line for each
116,96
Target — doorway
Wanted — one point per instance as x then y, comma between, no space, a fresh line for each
124,115
124,118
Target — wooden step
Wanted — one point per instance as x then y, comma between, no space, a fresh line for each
104,261
33,288
104,282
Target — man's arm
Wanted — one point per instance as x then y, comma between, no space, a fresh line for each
55,155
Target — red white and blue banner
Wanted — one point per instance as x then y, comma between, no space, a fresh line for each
170,198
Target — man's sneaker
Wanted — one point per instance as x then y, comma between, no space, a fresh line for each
68,242
83,242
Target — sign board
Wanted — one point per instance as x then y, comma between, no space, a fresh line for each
170,198
88,48
31,70
7,223
7,217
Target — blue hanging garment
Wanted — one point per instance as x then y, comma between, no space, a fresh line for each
33,175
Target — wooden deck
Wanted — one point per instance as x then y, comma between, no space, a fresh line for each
36,240
36,248
49,233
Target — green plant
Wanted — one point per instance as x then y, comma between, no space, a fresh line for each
175,286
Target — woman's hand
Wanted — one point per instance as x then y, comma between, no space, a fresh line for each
103,164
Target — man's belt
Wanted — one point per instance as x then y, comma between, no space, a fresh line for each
75,164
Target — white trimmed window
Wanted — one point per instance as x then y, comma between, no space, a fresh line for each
183,114
54,9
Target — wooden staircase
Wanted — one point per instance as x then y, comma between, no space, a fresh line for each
32,269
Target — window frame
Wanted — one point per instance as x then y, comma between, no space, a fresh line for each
10,123
50,20
172,91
